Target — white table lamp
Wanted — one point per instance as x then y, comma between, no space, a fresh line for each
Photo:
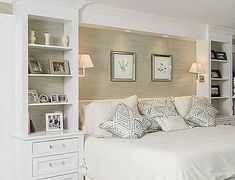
85,62
197,68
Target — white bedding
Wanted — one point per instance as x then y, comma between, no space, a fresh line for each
193,154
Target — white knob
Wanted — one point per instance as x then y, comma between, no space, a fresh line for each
50,165
63,163
63,145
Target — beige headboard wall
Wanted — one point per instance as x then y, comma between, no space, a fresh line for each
6,8
99,42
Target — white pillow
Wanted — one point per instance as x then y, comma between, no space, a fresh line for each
172,123
101,111
183,104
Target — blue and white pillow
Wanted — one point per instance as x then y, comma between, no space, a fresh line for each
201,114
126,123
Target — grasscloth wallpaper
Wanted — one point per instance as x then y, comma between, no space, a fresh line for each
99,42
5,8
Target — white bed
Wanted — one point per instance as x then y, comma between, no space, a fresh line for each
193,154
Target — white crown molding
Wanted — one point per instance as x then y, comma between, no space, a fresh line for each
126,19
65,3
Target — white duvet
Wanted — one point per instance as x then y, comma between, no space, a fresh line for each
193,154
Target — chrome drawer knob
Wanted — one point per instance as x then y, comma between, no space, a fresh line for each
50,146
50,165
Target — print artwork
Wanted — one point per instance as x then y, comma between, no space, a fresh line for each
161,68
123,66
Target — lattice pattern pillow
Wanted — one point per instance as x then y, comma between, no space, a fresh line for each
157,108
126,123
201,114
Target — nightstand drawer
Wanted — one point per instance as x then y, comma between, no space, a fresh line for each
57,146
65,177
55,164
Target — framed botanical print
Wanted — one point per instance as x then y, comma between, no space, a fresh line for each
161,67
123,66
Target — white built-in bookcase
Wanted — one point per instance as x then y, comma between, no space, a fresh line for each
224,102
45,18
220,40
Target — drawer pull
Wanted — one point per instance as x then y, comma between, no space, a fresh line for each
50,165
63,145
63,163
50,146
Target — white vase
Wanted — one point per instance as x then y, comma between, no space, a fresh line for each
65,41
32,37
47,38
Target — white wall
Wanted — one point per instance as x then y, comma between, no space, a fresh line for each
6,95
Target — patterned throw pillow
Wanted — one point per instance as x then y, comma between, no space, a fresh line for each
157,108
201,114
126,123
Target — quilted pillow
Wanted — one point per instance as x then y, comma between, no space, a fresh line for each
157,108
201,114
126,123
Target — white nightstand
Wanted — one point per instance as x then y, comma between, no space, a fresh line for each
229,120
56,156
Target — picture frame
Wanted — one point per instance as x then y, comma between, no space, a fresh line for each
123,66
220,55
33,97
215,73
213,54
54,122
215,91
62,98
161,67
60,67
34,66
54,98
43,98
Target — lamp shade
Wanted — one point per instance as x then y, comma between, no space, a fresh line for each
85,61
197,68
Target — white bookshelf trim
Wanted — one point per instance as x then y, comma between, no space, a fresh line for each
50,47
50,104
219,79
223,97
50,75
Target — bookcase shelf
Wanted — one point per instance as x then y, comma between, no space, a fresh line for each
49,47
49,75
49,104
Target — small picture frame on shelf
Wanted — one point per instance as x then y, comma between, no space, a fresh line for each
59,67
62,98
43,98
213,54
54,121
33,97
123,66
34,66
161,67
215,91
220,55
215,73
54,98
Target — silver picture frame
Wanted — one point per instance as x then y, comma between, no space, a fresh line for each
161,67
123,66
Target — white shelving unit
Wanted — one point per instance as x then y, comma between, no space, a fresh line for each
219,40
222,103
46,155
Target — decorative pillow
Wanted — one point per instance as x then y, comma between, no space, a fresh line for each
183,104
171,123
126,123
156,108
201,114
100,111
